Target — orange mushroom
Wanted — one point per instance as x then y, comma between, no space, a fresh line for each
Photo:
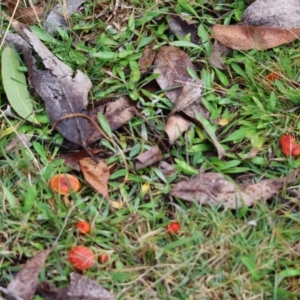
289,146
81,257
64,184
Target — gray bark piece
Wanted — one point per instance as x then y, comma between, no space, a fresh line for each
273,13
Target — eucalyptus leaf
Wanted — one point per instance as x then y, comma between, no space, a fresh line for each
15,86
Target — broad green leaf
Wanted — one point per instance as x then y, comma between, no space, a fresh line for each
104,124
15,86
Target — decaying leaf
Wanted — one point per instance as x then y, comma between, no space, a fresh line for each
273,13
215,189
215,57
245,37
166,168
64,93
189,99
171,64
95,174
25,282
148,158
175,126
59,15
148,57
21,140
117,113
182,27
72,159
26,13
80,288
265,24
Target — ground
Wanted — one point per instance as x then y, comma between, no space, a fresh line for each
247,253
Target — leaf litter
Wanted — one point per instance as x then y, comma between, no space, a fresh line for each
171,64
265,24
215,189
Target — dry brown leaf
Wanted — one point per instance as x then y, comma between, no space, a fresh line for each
20,141
215,57
80,288
148,158
95,174
26,14
166,168
181,27
25,282
175,126
64,92
191,92
117,113
71,159
215,189
171,64
245,37
148,57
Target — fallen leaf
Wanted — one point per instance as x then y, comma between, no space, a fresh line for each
175,126
64,93
215,57
148,158
166,168
215,189
21,140
72,159
148,57
245,37
80,288
265,24
25,14
171,64
182,27
273,13
117,113
25,282
59,15
95,174
15,86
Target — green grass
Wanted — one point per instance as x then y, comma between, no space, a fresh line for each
218,253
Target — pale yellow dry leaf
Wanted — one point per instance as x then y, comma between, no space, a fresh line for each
95,174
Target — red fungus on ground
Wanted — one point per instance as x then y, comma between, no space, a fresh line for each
173,227
64,184
81,258
83,227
